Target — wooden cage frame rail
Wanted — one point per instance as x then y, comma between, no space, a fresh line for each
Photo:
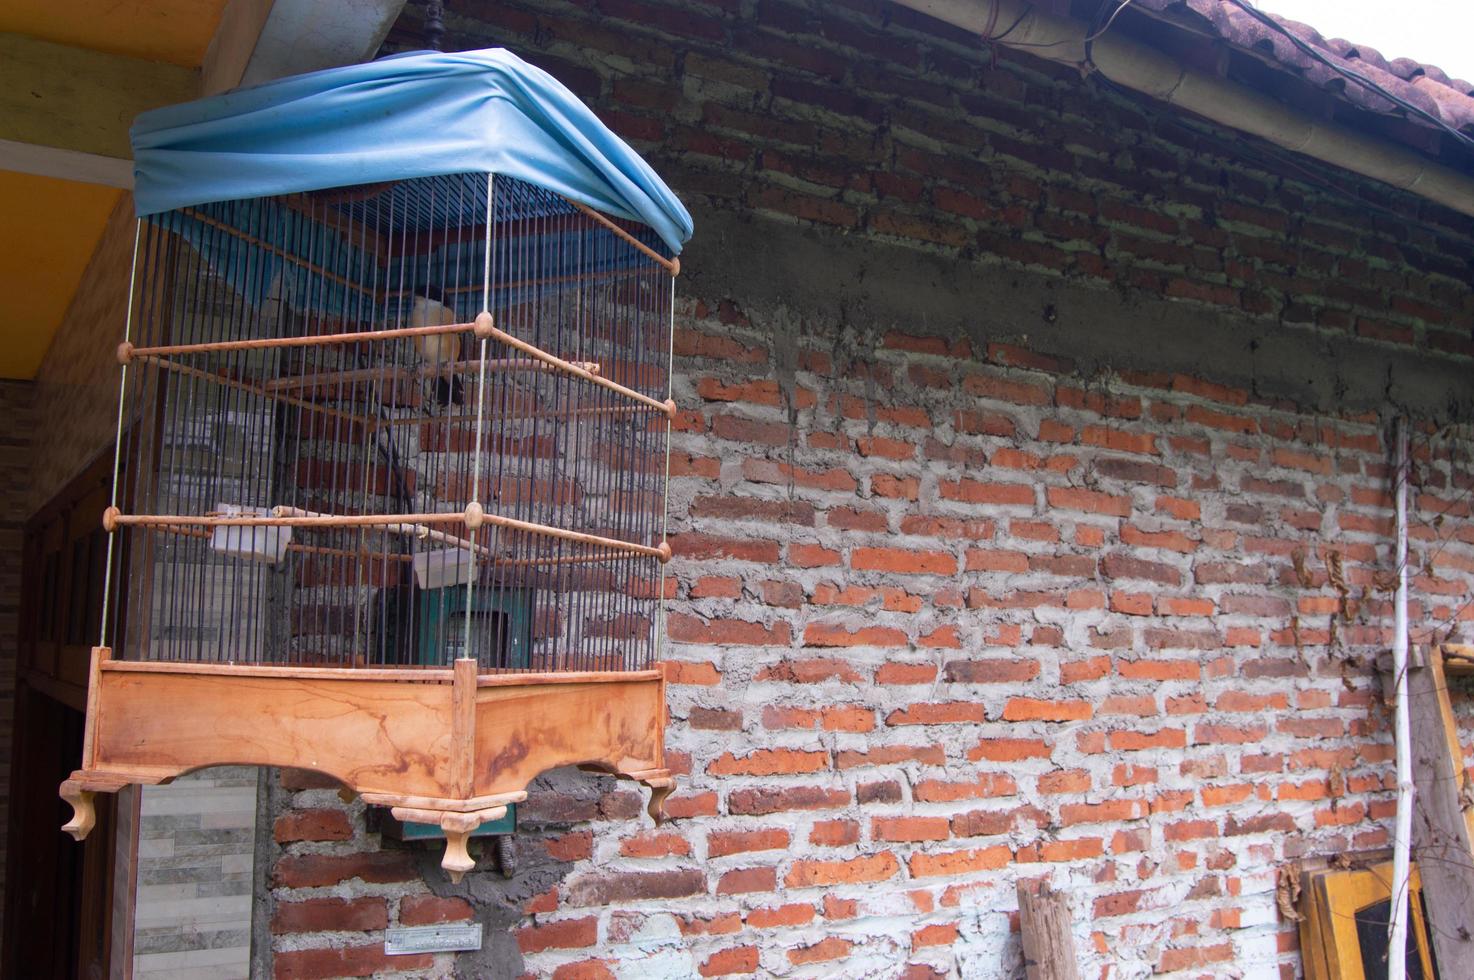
492,561
558,413
673,266
423,242
127,351
473,517
488,563
165,364
305,549
388,294
602,275
483,327
450,540
430,674
276,250
371,423
321,212
405,530
500,365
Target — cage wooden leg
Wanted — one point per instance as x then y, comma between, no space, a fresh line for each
457,827
84,816
661,784
660,781
79,789
457,860
83,784
658,795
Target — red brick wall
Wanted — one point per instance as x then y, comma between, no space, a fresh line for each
965,622
869,118
972,621
964,594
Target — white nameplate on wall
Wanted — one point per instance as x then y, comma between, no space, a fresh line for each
457,938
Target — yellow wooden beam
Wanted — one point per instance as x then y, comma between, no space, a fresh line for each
68,107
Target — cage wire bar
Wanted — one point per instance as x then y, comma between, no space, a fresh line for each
393,426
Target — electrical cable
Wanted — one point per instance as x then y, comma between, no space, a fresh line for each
1011,27
992,22
1087,41
1095,34
990,39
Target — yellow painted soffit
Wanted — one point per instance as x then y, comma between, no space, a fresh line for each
51,227
173,31
51,230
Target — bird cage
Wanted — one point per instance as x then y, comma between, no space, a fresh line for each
390,501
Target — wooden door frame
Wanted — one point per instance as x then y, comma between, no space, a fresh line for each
49,667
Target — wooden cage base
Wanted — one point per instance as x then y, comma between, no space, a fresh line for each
449,747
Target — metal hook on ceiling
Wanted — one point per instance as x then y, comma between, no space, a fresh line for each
434,24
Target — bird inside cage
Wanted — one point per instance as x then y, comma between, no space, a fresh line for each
440,352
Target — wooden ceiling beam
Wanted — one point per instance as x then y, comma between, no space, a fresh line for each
234,45
309,35
65,111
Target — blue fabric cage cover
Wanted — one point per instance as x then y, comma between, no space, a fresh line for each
416,115
423,115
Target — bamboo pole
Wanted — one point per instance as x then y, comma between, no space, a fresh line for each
1441,840
1402,832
